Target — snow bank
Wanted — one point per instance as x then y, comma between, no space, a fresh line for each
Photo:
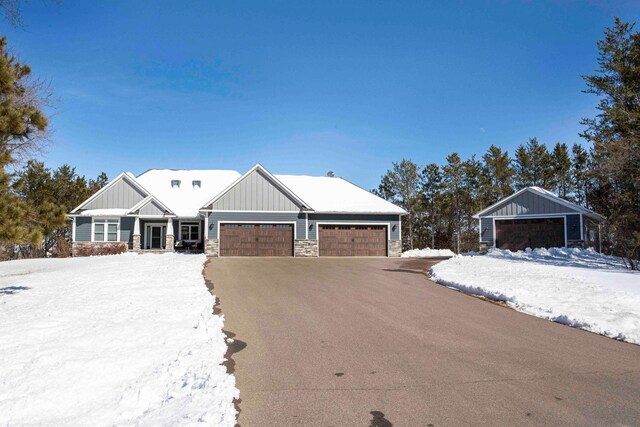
123,339
427,252
577,287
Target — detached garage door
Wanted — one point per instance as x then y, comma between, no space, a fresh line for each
256,240
518,234
353,240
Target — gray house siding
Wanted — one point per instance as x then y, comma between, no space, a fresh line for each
83,229
255,192
573,227
392,220
121,195
486,229
528,203
126,229
151,208
297,217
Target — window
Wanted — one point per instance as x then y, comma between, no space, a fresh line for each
106,229
175,183
196,183
190,231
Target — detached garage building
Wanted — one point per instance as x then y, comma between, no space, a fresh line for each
536,218
224,213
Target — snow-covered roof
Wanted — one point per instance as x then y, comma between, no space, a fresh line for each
187,199
333,194
544,193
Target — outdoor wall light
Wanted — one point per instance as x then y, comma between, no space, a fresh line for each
393,227
310,226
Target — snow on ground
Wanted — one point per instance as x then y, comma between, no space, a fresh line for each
427,252
577,287
122,339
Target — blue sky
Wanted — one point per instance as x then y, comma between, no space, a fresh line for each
307,87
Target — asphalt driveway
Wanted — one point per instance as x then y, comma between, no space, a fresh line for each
372,342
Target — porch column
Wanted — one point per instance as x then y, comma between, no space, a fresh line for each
168,244
206,226
136,234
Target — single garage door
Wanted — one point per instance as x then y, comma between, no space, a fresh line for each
518,234
353,240
256,239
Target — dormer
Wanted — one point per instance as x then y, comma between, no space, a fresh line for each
196,183
175,183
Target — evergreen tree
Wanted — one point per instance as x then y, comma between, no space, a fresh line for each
431,192
533,165
579,174
454,193
22,128
561,177
497,176
615,134
400,185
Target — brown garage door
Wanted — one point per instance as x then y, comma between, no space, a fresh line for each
518,234
353,240
256,240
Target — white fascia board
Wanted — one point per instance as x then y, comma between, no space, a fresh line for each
148,200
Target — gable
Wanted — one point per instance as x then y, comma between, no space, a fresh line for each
120,195
255,192
152,208
528,203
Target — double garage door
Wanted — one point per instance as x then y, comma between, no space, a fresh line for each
277,240
518,234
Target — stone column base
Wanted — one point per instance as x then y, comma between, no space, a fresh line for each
168,242
212,247
136,243
305,248
395,248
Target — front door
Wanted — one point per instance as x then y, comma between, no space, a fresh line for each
155,236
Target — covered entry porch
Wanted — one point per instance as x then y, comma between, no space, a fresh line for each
168,234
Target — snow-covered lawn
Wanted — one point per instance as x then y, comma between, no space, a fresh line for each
122,339
427,252
581,288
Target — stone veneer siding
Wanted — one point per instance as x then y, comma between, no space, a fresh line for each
212,247
305,248
395,248
97,248
136,242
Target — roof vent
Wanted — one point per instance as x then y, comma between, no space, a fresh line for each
196,183
175,183
330,174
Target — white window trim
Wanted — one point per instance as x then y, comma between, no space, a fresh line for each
105,219
199,223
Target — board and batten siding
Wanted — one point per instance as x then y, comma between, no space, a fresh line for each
83,229
486,229
259,217
391,220
121,195
126,229
151,208
255,192
527,203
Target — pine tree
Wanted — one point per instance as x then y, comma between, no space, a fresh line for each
579,174
497,176
431,192
453,174
615,134
561,177
533,165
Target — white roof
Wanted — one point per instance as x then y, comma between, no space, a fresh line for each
186,200
326,194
